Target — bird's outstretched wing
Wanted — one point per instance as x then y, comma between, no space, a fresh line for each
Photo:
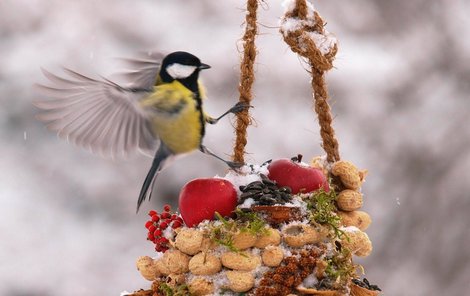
95,113
141,71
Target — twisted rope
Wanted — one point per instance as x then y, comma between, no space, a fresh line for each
300,38
247,78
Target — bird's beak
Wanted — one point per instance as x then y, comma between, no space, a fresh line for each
204,66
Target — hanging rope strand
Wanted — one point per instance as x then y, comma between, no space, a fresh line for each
247,78
322,108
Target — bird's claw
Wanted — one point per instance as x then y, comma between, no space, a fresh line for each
239,107
234,165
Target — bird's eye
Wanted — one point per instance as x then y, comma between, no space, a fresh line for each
179,71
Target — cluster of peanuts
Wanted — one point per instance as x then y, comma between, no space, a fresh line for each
196,260
349,201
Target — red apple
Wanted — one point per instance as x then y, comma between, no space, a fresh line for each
298,176
201,198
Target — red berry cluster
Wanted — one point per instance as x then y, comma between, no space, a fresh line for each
159,223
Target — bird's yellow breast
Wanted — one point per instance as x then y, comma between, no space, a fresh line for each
175,117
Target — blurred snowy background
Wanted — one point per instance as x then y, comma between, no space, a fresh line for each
399,93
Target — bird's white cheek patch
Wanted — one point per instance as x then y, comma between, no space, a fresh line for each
178,71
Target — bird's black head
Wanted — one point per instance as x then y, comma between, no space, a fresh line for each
182,66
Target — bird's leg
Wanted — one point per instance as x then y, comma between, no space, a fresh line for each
232,164
238,107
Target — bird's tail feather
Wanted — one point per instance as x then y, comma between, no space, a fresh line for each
157,165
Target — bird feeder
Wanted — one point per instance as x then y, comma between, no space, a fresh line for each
285,227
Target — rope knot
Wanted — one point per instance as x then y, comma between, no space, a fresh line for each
303,30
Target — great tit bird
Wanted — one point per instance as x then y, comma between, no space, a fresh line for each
162,106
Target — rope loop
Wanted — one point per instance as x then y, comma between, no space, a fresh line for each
304,31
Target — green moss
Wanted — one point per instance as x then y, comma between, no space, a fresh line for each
245,222
222,235
322,206
323,210
180,290
340,266
250,222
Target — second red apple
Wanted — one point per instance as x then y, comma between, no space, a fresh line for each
300,177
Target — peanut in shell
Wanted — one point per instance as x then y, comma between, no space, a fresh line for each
272,256
147,268
243,261
360,219
243,240
357,242
349,200
200,286
204,264
189,241
271,237
175,262
240,281
348,173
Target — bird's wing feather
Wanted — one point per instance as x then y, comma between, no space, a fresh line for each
141,71
95,113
